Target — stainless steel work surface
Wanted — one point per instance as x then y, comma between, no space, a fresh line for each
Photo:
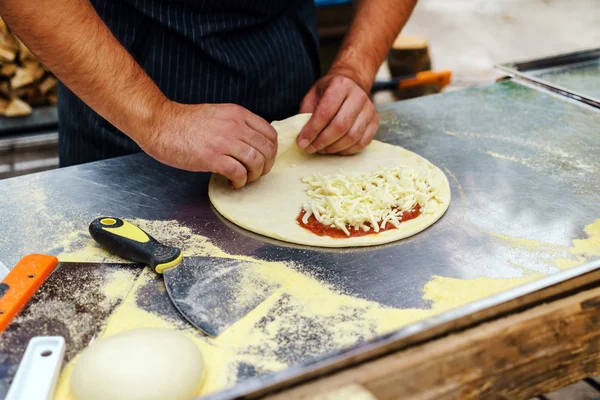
521,164
581,78
576,75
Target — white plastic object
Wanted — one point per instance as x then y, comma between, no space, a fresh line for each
39,369
3,271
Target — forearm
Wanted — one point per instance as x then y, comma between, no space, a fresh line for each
69,37
376,24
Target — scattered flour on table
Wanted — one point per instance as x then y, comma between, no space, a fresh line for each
541,156
74,305
303,319
541,146
545,164
561,257
34,214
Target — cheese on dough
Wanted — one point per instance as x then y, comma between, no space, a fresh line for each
270,205
366,201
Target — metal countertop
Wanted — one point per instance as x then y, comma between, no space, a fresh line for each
521,164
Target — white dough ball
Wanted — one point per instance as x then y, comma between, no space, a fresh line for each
141,364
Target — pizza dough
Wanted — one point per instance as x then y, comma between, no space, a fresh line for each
141,364
270,205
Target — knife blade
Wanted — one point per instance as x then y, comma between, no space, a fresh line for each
434,78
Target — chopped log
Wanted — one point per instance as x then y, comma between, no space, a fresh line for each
9,41
35,69
7,54
31,95
26,55
53,98
23,77
17,108
410,55
3,105
3,28
47,84
8,70
5,89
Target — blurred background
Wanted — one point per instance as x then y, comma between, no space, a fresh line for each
466,37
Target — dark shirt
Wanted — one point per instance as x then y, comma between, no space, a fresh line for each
260,54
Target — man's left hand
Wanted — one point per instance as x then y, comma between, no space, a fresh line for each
344,120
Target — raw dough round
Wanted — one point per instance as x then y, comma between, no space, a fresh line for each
270,205
141,364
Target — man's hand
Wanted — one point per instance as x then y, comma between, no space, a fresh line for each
225,139
222,138
344,120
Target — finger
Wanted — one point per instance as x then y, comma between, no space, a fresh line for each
267,148
342,123
251,158
353,133
325,111
232,170
261,126
352,137
364,140
310,102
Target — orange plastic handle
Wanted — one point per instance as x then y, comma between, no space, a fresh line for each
21,283
440,78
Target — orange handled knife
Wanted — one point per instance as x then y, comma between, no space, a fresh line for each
21,283
438,78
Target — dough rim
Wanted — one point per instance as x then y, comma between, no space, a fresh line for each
218,197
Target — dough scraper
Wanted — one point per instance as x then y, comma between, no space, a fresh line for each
212,293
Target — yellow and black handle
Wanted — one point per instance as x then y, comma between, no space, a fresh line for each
132,243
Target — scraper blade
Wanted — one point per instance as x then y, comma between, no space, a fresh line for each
213,293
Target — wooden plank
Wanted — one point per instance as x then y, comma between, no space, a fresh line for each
352,391
519,356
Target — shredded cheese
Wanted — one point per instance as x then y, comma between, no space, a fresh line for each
366,201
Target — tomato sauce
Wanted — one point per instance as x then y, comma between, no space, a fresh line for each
319,229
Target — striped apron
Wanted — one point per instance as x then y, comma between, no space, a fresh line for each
260,54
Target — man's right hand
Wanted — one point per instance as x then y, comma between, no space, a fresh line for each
223,138
226,139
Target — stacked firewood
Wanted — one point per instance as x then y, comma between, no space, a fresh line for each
24,81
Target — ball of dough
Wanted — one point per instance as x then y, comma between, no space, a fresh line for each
141,364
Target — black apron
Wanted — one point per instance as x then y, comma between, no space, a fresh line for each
260,54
